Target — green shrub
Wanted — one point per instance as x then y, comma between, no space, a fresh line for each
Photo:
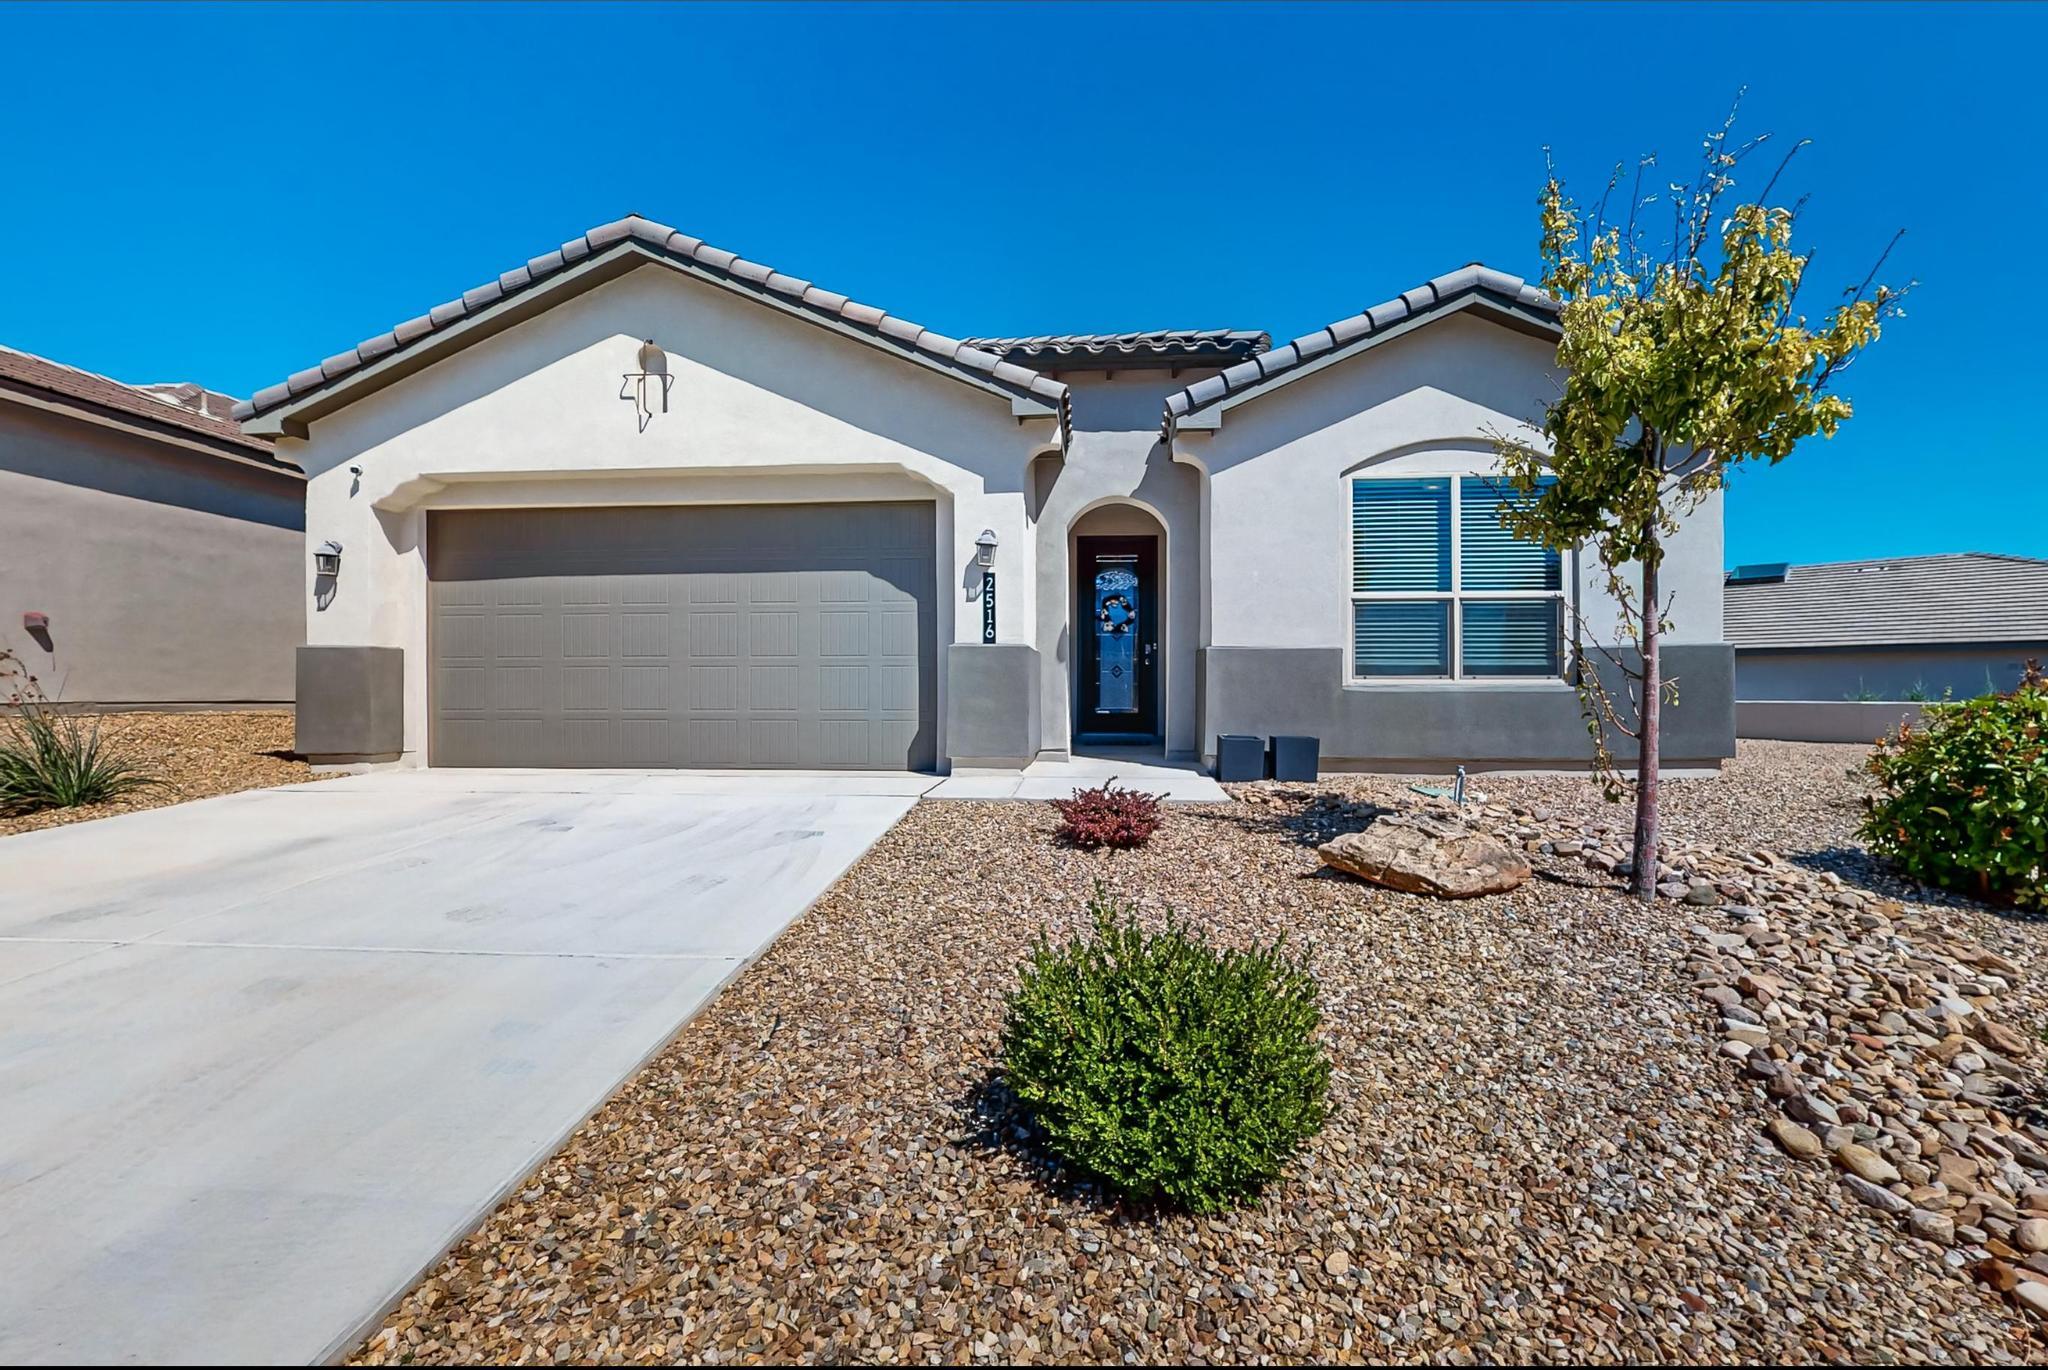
1167,1068
1962,800
52,760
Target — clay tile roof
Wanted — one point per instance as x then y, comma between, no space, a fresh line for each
184,406
1358,331
1159,347
691,255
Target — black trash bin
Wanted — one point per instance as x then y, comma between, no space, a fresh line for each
1295,758
1240,756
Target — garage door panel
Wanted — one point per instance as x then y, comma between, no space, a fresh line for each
739,636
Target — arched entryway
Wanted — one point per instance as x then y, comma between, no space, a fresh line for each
1118,555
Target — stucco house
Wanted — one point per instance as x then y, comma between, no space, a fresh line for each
149,548
641,502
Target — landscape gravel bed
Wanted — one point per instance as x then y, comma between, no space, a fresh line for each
195,755
1539,1151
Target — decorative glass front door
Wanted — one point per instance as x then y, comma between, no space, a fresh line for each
1116,639
1118,628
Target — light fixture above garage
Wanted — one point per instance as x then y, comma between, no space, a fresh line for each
641,386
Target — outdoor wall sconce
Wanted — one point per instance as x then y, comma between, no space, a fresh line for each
640,386
327,559
985,547
34,622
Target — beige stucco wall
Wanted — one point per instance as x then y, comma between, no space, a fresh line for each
170,577
763,407
1425,403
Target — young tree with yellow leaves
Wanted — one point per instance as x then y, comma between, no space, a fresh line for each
1681,361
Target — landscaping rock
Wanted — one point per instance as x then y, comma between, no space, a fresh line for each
1796,1140
1866,1163
1420,855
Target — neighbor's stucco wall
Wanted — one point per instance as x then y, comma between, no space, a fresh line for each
1425,403
1892,673
763,407
170,577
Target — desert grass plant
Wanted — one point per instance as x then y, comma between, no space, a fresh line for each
1170,1070
50,759
1108,817
1961,800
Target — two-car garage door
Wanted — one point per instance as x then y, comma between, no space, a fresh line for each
796,635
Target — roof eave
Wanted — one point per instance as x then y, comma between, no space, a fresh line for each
293,417
1181,414
259,455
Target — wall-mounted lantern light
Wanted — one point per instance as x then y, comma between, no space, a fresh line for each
327,558
985,547
648,386
35,621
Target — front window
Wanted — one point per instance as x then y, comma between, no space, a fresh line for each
1440,590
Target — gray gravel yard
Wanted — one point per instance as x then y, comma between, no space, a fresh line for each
1541,1148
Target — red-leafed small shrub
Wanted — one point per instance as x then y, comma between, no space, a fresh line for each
1108,817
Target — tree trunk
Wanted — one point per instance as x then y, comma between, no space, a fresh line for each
1648,717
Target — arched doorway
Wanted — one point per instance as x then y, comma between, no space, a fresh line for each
1118,555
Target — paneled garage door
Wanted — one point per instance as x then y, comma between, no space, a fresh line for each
793,635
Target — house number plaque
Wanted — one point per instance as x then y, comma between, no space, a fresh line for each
988,606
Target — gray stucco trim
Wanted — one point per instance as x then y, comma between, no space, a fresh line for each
1821,720
1269,690
992,701
351,703
285,408
1493,295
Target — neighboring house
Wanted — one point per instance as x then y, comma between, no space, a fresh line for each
757,541
149,548
1905,628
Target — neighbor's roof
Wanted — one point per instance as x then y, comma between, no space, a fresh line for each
1958,597
1495,294
650,240
1159,347
101,397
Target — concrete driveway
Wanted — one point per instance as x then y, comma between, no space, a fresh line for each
263,1057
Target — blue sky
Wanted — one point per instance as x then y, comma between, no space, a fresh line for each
229,194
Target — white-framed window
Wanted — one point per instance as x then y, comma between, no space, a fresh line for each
1439,590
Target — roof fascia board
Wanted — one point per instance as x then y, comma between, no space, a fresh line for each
293,418
1494,308
136,426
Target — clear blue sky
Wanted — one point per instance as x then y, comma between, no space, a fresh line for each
229,194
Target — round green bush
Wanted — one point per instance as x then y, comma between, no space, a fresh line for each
1962,800
1164,1067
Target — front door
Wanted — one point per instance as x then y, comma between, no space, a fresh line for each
1117,621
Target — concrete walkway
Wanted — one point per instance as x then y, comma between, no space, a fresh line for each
263,1057
1133,768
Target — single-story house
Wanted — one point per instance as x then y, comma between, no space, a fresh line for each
1903,628
149,548
642,502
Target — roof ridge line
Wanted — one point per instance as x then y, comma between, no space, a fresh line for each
671,243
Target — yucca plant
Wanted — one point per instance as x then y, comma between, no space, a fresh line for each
50,760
